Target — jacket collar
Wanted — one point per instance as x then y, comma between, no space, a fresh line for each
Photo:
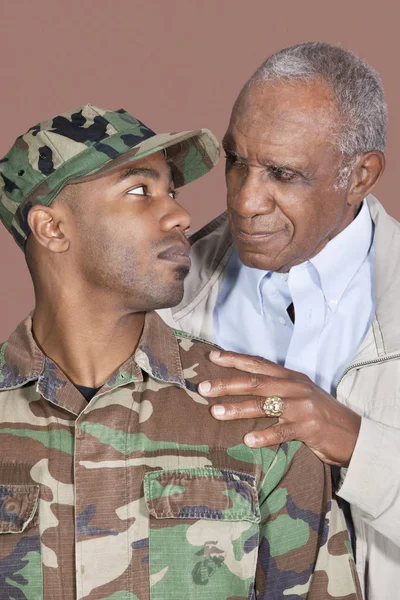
386,324
22,361
211,249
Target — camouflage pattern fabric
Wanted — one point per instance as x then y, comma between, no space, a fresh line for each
140,494
89,141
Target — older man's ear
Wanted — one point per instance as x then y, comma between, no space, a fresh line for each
366,174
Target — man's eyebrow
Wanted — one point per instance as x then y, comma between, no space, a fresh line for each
285,166
226,144
269,164
141,172
229,150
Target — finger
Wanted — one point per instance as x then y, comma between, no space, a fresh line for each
252,364
293,411
253,384
277,434
249,409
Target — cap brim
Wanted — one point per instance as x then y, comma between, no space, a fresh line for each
190,154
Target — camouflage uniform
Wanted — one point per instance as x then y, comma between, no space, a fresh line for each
140,494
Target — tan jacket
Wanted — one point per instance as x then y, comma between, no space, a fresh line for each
370,386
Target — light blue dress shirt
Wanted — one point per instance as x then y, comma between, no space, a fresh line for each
333,298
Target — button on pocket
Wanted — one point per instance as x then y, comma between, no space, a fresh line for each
203,533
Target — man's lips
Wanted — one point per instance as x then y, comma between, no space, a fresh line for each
245,236
177,253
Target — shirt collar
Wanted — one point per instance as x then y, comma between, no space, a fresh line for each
336,264
22,361
158,351
342,257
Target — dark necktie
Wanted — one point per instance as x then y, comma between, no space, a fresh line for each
290,311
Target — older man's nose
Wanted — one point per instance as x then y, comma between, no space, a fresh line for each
254,199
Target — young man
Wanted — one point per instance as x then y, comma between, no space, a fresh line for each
115,480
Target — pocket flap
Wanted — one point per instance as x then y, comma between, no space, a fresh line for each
18,504
202,493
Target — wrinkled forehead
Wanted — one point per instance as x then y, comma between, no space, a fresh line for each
284,113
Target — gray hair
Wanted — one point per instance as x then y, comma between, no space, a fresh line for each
356,86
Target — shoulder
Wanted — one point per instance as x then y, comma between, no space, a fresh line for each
386,225
290,461
210,243
216,225
4,368
195,349
211,247
184,335
3,347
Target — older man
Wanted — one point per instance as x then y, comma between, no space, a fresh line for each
303,271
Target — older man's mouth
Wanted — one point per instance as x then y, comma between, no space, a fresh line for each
247,237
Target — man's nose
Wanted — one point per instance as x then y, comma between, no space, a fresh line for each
175,216
254,197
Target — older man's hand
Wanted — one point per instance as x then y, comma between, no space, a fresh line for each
309,414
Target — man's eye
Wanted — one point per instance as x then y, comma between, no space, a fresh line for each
233,161
230,158
173,194
138,191
282,174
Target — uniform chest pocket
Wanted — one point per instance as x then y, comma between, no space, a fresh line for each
20,556
203,533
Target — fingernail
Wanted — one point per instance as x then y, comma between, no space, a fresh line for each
250,440
215,353
205,387
218,410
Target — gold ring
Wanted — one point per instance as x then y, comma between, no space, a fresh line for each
273,406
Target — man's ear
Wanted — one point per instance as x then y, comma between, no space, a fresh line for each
365,175
47,224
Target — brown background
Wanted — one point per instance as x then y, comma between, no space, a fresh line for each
175,64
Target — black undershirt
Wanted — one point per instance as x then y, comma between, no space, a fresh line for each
87,392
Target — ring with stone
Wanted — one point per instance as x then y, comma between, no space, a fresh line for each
273,406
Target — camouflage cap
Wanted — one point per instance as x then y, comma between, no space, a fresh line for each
88,141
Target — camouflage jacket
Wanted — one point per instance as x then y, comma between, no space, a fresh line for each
140,494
